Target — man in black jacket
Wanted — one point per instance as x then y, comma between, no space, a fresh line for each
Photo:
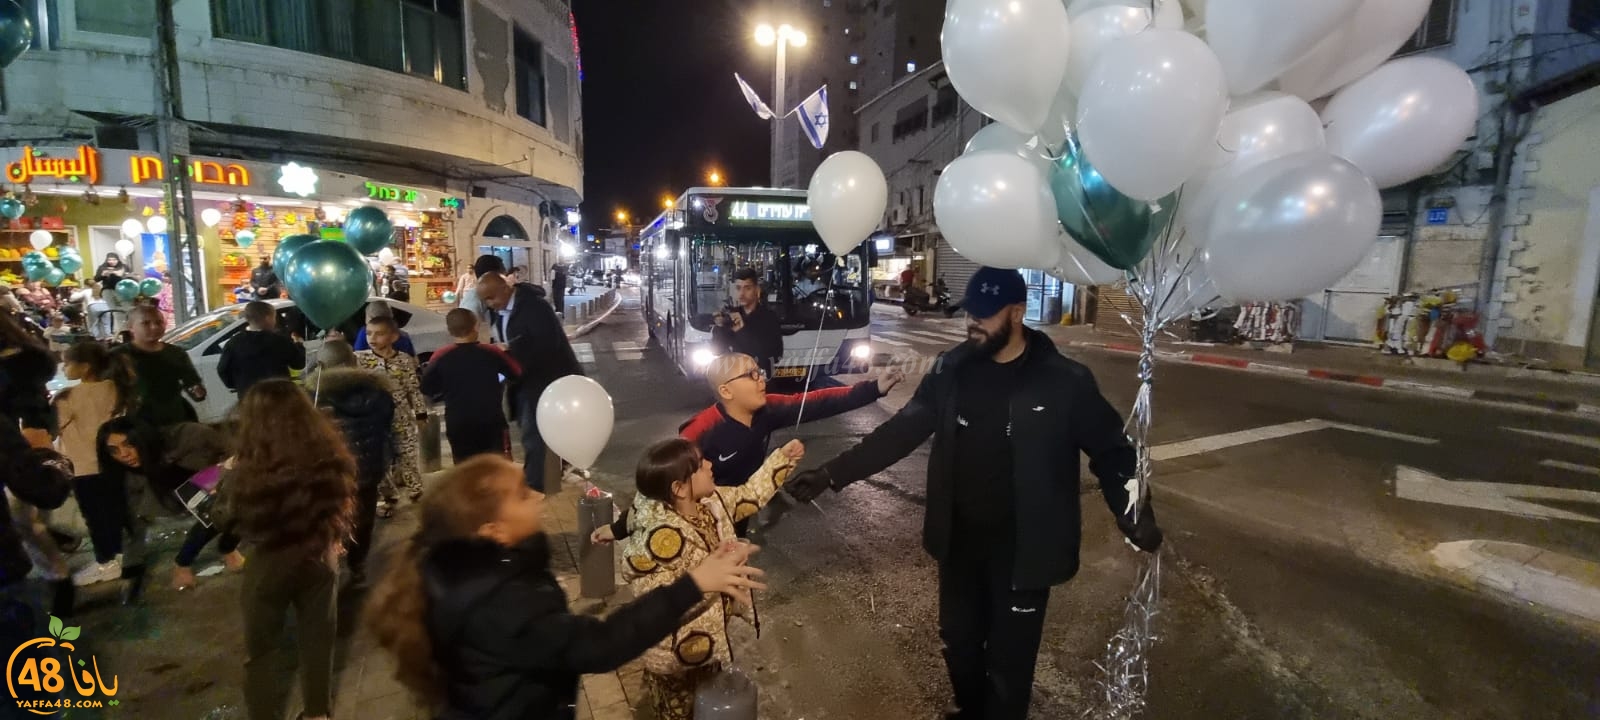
751,328
265,281
535,339
1009,416
259,353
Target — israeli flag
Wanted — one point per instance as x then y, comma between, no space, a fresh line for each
814,117
750,96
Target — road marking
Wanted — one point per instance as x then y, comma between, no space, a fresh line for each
940,336
584,351
1580,440
1574,467
903,336
628,350
878,337
1423,486
1199,446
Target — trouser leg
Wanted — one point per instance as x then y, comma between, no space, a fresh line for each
533,448
315,615
267,664
964,615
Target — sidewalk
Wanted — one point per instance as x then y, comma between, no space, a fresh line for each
1551,390
585,311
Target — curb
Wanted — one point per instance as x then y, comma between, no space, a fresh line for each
1541,577
585,328
1373,381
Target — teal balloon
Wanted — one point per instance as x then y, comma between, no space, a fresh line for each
449,296
34,258
11,207
329,281
1118,229
150,287
128,289
16,33
245,238
287,248
54,276
37,272
368,229
71,263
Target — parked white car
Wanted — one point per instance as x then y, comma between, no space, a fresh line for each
205,336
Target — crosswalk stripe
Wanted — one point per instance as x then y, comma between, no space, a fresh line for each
629,355
584,351
878,337
942,337
903,336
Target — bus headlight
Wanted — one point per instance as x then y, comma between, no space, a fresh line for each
862,351
702,357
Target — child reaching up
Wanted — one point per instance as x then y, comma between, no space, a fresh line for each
474,617
679,517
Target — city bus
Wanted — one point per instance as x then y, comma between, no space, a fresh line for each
690,253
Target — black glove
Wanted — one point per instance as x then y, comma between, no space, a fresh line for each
1144,533
805,486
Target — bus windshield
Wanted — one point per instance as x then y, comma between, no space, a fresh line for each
803,283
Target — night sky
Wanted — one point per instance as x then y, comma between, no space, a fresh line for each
660,105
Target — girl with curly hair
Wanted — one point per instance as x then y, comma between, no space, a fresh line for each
292,494
476,621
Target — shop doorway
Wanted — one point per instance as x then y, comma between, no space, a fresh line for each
103,240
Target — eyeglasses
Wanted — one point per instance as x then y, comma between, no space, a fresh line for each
757,375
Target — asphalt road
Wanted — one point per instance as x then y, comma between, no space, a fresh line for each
1297,584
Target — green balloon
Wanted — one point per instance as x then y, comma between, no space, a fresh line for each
54,276
16,34
287,247
1116,228
11,207
329,281
34,258
37,272
150,287
368,228
128,289
71,262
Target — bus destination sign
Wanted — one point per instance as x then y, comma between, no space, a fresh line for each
780,212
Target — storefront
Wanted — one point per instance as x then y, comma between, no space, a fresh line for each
895,255
111,201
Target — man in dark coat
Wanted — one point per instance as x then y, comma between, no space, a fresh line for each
534,338
260,352
750,328
265,281
1009,416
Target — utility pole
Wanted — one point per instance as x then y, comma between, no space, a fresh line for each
172,142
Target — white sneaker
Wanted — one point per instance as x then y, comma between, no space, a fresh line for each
98,572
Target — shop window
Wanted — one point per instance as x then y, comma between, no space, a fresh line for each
528,55
1438,28
417,37
556,94
117,17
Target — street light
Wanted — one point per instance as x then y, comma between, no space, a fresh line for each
666,203
714,177
622,216
785,36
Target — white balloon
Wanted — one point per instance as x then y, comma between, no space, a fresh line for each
132,228
1007,57
1150,111
1372,35
1292,227
1081,267
1256,130
1001,138
386,257
995,209
1404,120
124,248
157,224
40,239
211,216
575,417
848,194
1094,28
1257,40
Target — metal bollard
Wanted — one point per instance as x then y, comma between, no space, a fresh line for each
596,563
429,447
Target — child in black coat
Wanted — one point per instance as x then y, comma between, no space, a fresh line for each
478,625
469,375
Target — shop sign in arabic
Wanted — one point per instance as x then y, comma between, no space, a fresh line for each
145,168
83,166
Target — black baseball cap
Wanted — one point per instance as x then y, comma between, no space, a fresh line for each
993,289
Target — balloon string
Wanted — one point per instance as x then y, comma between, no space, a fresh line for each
826,308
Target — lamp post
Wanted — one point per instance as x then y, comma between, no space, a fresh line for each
714,178
785,36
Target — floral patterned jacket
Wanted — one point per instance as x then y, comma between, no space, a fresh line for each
409,404
665,545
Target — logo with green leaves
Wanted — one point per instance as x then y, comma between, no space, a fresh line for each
38,674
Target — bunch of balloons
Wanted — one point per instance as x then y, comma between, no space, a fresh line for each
1115,123
36,264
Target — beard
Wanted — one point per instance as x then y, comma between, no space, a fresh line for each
985,344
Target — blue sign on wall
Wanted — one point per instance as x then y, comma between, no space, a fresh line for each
1438,216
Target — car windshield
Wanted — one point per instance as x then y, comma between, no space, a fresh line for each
795,282
194,333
